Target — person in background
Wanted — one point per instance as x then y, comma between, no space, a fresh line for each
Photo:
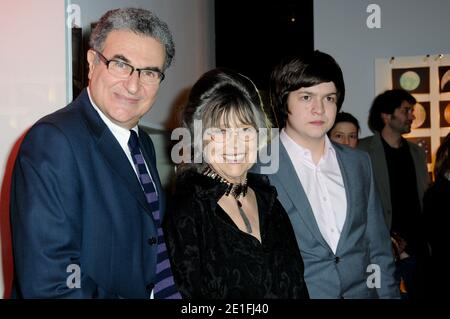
327,189
86,200
228,235
345,130
436,210
401,177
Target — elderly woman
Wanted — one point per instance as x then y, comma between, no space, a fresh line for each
227,234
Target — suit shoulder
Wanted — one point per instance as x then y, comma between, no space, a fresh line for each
44,132
62,127
365,143
354,158
70,116
416,147
350,152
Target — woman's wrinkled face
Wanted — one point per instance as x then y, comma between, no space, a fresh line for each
231,149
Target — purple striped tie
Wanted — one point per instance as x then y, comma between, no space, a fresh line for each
164,285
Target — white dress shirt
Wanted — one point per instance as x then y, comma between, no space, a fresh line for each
323,185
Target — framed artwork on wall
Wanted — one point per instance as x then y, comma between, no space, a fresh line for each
77,61
444,113
414,80
444,79
422,114
427,78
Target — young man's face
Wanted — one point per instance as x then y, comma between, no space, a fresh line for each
400,121
312,111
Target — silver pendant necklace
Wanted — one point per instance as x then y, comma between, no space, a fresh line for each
235,190
244,217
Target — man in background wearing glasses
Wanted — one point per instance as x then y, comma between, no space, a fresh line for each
85,187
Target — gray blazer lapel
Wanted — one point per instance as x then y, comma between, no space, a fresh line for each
294,189
382,175
419,158
349,214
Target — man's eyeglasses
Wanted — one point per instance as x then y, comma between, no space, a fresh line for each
124,70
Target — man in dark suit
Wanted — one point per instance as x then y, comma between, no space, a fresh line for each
83,221
327,189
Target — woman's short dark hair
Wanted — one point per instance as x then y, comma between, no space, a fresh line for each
223,94
442,164
386,103
345,117
306,71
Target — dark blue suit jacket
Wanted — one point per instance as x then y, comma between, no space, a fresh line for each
76,200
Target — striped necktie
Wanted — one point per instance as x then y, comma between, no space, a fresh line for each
164,285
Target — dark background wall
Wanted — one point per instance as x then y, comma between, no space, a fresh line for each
253,36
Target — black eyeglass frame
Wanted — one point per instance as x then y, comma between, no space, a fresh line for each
107,62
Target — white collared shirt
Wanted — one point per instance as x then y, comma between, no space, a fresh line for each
323,185
122,136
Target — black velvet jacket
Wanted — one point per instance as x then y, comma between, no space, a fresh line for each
211,258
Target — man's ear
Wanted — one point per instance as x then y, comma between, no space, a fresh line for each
385,117
91,58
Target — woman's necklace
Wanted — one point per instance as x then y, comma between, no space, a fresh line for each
247,224
235,190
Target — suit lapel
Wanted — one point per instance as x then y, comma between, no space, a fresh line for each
112,151
297,195
349,197
379,165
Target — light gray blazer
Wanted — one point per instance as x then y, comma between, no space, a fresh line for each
364,240
374,146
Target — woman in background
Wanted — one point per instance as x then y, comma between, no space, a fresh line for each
345,130
227,234
435,211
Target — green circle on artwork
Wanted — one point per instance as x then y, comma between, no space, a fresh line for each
409,80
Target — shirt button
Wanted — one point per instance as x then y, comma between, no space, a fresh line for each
151,241
332,230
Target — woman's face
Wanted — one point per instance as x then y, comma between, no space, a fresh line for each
345,133
231,150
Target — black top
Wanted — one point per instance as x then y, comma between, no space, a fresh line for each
211,258
436,211
406,208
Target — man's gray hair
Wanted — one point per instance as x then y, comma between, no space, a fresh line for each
139,21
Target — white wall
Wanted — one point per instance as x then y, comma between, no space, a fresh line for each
33,69
33,60
192,26
408,28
